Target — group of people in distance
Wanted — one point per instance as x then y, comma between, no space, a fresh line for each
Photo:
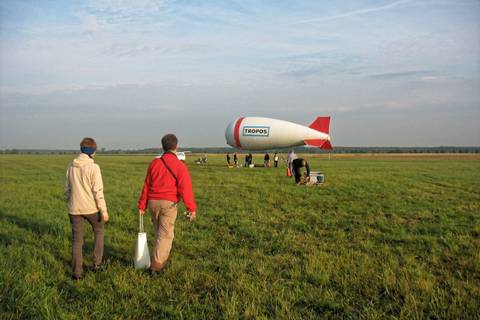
166,183
294,164
249,160
266,160
235,159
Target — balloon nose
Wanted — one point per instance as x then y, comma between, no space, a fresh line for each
229,134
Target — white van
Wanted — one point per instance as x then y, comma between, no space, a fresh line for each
181,156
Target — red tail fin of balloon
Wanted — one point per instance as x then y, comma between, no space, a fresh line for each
322,144
321,124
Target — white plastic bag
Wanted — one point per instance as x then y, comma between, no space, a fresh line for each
142,256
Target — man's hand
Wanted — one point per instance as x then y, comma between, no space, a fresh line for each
105,216
191,216
141,211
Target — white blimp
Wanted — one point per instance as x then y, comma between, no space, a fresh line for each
256,133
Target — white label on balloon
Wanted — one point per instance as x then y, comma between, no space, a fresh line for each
259,131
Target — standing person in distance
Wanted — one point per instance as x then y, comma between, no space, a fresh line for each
250,159
167,182
266,160
235,159
228,159
84,193
275,160
291,156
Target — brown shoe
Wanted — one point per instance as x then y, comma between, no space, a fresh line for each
76,277
153,273
159,266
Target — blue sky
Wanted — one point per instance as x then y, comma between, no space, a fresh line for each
390,73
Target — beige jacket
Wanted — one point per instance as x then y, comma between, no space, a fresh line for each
84,187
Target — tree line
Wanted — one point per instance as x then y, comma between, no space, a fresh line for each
441,149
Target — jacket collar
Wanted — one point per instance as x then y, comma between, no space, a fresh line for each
81,160
170,152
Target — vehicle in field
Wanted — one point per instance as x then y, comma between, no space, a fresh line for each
181,156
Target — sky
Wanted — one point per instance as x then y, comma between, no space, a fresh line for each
389,73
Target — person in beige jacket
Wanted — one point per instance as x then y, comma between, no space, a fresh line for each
84,193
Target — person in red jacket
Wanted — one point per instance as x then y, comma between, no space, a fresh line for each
166,183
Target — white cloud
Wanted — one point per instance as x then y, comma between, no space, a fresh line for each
429,78
90,24
125,10
351,13
123,60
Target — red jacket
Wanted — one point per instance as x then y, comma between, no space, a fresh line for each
161,185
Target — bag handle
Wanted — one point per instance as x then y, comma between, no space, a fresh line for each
169,170
140,227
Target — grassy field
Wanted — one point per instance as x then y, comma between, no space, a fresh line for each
386,237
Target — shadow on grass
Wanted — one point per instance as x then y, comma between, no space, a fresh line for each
39,228
7,239
34,226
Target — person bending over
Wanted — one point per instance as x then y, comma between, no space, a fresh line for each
296,165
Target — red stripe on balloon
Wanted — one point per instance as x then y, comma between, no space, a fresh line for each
236,132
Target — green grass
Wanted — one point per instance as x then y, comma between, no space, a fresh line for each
384,238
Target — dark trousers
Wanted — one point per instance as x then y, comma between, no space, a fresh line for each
96,221
296,173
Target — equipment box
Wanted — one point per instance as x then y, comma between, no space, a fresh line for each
315,179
